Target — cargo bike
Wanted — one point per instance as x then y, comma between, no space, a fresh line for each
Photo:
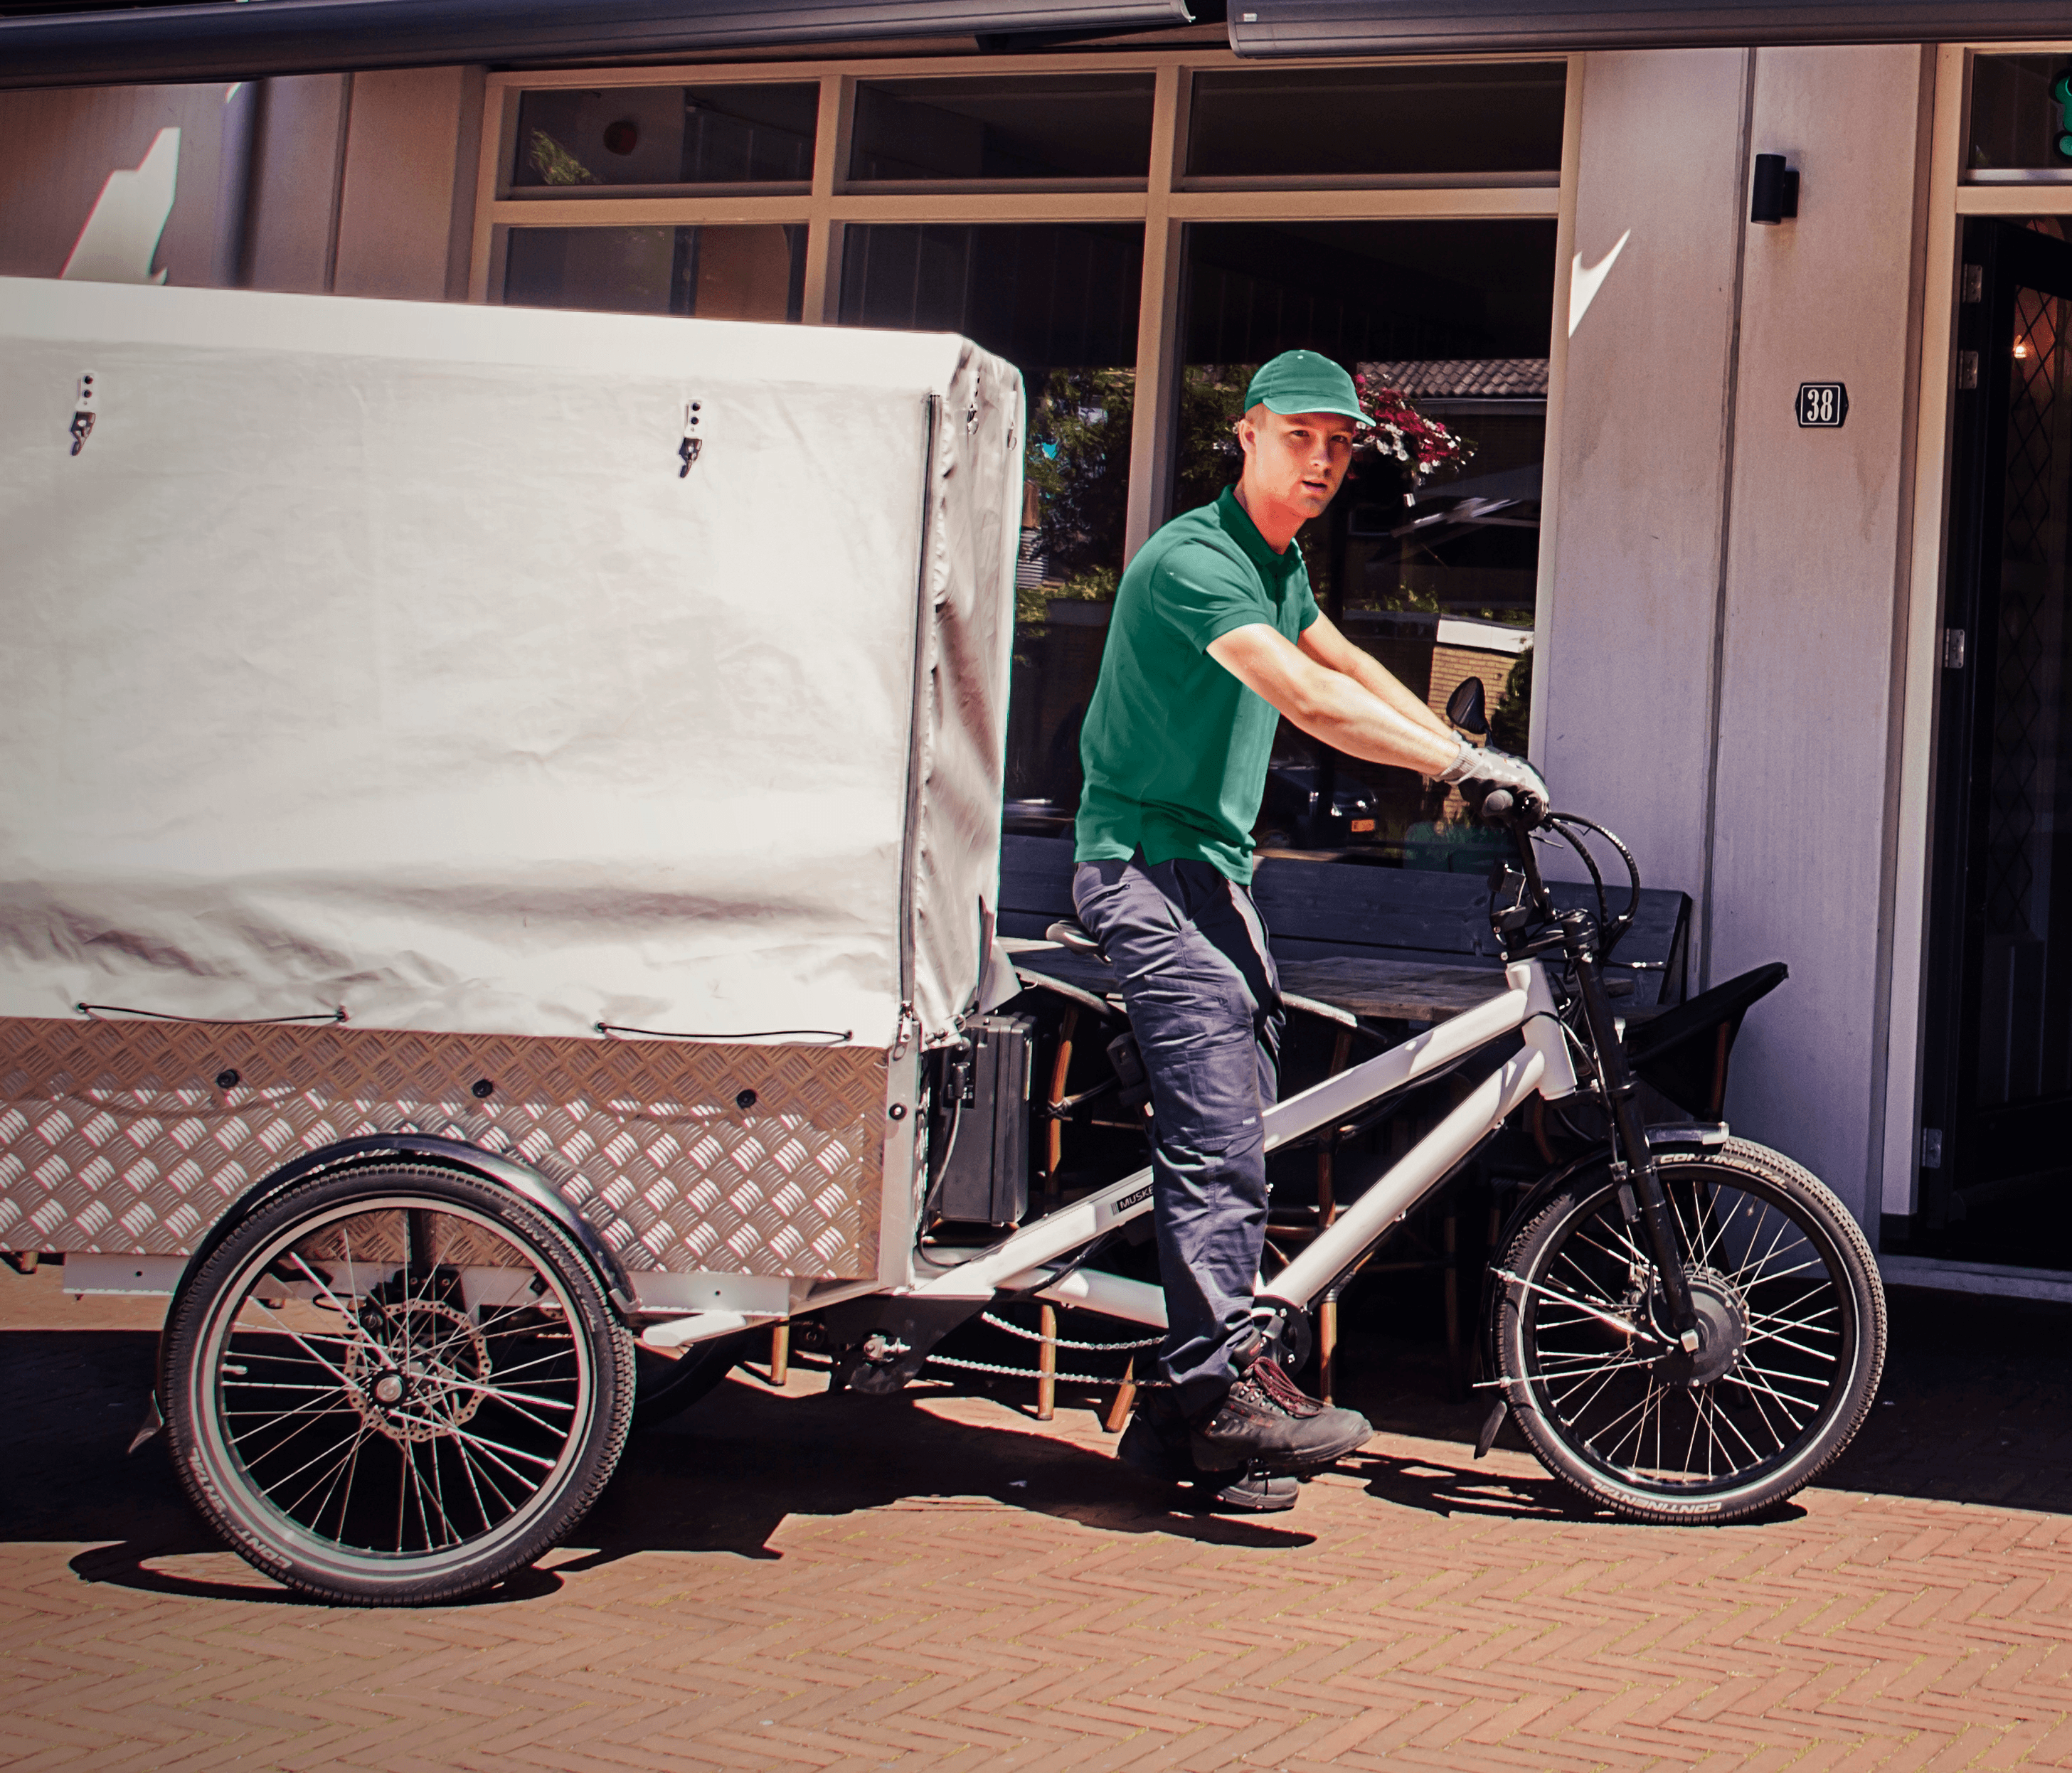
501,850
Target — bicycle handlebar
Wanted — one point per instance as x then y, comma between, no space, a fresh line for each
1524,814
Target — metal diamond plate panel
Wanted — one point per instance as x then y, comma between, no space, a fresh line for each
121,1137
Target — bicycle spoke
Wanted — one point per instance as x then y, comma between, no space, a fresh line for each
1785,1341
1782,1402
1762,1276
477,1407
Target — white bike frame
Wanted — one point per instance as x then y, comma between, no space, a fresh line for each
1020,1262
1542,1067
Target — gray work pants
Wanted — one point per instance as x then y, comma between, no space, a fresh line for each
1204,1000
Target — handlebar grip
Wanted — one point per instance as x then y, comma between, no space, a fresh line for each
1496,805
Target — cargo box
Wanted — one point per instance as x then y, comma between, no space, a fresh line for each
579,735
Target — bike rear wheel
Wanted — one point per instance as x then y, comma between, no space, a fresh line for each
1791,1320
395,1385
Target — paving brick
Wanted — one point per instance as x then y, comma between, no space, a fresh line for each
868,1578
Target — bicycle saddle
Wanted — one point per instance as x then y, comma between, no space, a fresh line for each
1068,933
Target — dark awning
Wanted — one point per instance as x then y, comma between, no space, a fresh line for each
1399,27
247,38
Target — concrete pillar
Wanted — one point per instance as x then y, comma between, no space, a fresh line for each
1720,637
292,223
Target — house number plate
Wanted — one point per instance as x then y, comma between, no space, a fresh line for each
1823,405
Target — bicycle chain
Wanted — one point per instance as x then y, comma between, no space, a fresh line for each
1059,1342
1052,1341
1022,1373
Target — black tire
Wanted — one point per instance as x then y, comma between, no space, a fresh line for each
406,1423
1793,1327
665,1389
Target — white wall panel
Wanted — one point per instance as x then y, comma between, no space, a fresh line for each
57,149
410,155
1626,665
1814,562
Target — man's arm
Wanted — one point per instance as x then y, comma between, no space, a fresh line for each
1336,706
1323,642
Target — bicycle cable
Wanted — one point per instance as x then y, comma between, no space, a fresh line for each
1625,920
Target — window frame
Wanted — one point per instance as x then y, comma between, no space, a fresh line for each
1163,203
1948,193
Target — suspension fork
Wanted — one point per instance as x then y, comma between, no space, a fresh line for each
1632,1161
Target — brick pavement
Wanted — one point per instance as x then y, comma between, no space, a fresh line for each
796,1581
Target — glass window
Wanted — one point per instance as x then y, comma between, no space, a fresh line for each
1044,130
1367,123
1428,557
1060,301
748,273
667,135
2021,117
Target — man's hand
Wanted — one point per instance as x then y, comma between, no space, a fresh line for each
1499,768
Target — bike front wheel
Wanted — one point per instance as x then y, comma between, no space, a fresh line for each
1791,1322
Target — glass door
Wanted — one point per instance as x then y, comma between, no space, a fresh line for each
1996,1160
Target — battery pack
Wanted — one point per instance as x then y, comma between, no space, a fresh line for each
986,1181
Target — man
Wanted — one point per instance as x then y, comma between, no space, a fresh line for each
1215,636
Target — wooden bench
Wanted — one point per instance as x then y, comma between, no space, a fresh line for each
1355,944
1423,926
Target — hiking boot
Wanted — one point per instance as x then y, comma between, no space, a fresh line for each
1156,1442
1254,1493
1269,1424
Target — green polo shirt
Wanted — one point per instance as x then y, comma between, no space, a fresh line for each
1175,748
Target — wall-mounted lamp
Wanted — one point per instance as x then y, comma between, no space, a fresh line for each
1775,195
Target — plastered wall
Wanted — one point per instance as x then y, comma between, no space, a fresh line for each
354,184
1720,655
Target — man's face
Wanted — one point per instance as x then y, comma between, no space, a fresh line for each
1297,460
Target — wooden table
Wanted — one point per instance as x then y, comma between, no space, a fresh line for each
1406,991
1338,987
1403,990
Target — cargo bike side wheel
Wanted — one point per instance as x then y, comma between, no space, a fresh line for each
1791,1323
394,1385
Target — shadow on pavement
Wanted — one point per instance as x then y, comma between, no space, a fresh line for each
726,1476
1976,1407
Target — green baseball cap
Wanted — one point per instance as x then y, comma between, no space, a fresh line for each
1304,381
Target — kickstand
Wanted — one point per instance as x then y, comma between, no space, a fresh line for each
1487,1438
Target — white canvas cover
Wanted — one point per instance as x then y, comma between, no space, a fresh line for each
379,654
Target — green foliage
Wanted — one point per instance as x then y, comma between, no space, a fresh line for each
1211,401
1508,722
1031,601
555,164
1406,596
1077,460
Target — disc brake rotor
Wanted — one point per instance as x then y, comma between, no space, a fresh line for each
418,1371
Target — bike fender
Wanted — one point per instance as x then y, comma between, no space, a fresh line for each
1530,1199
1691,1136
520,1179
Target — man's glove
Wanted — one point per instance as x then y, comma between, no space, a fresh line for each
1499,768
